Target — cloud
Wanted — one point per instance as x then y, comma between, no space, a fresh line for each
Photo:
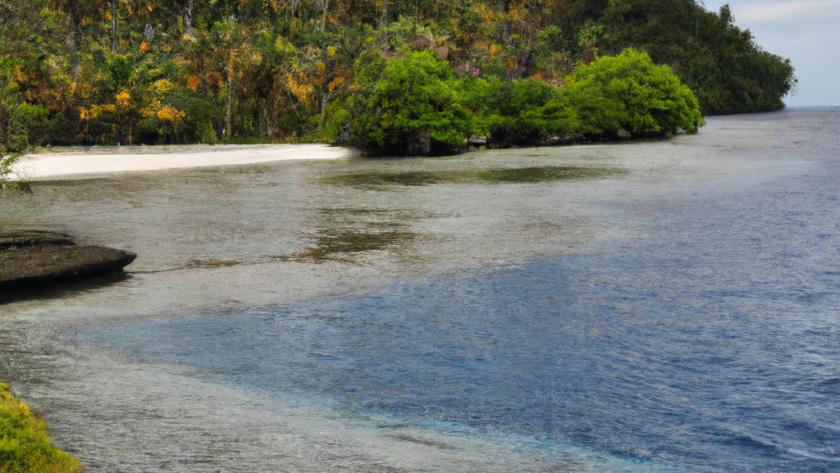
756,13
802,30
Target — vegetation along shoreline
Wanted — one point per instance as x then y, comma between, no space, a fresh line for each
407,78
24,441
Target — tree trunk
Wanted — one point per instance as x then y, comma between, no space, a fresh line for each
229,112
70,25
3,120
71,38
324,101
384,19
295,15
324,15
114,43
188,13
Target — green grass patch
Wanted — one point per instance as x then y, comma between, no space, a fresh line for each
25,443
422,178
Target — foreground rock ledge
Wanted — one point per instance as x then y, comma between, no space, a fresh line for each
31,258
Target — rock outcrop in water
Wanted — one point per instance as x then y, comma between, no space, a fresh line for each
32,258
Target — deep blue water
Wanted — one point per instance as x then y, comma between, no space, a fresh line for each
709,342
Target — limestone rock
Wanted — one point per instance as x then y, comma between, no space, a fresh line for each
31,257
477,141
421,144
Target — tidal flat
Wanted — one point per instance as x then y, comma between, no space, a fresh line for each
669,308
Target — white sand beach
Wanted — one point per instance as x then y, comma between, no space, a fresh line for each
128,159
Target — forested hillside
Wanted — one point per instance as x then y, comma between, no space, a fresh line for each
185,71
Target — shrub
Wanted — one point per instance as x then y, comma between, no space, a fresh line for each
630,92
25,127
509,111
24,441
413,100
6,162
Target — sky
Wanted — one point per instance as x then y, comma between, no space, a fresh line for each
805,31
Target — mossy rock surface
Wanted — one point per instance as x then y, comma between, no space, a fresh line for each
29,238
32,258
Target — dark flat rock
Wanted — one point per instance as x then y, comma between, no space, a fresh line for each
32,258
28,238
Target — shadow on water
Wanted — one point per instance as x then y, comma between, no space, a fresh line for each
347,233
422,178
61,289
349,242
409,178
546,173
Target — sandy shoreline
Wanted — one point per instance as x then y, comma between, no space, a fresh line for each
115,160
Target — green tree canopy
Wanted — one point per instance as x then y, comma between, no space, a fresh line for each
629,92
413,107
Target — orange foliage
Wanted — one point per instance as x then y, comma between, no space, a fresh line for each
193,81
299,87
215,78
335,83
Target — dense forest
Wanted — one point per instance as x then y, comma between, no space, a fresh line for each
402,76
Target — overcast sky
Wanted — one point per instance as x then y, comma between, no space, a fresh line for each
805,31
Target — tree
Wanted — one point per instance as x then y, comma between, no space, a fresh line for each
629,92
232,51
510,112
413,108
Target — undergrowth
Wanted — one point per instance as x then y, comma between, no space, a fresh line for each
25,443
6,173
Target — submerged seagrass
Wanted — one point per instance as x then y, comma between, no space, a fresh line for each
546,173
422,178
354,241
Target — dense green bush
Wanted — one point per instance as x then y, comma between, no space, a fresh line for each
21,124
510,111
629,92
413,108
418,94
6,163
625,92
24,441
